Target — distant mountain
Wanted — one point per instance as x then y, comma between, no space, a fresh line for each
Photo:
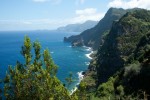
78,27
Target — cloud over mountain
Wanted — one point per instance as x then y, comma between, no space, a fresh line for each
130,4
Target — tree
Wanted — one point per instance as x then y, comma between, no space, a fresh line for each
35,78
81,93
106,90
69,79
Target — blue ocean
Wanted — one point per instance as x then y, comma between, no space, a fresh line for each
69,59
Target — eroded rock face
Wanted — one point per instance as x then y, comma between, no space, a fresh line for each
78,43
65,38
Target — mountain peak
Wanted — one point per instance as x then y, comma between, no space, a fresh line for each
115,11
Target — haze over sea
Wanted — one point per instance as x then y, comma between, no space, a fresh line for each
69,59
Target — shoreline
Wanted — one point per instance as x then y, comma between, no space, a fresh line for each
80,74
80,77
89,55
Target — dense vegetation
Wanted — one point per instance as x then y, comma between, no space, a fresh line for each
123,61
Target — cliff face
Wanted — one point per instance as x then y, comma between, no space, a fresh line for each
93,37
121,42
124,56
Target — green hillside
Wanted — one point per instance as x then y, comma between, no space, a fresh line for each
123,61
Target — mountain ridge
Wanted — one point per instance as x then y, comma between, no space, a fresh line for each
91,37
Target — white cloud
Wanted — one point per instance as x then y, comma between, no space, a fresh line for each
86,11
87,14
130,4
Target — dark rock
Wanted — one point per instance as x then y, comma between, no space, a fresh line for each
83,73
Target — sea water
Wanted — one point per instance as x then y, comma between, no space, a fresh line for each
68,58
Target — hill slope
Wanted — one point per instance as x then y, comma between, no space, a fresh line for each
123,61
122,40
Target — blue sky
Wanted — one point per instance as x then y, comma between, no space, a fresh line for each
50,14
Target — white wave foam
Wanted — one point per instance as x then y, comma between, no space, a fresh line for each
88,48
88,55
87,63
73,90
80,77
52,52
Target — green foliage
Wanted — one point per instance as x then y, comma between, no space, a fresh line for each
126,49
121,42
143,48
26,51
132,69
132,29
69,79
105,34
106,90
120,90
81,93
36,79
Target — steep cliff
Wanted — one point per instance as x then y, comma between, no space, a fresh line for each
121,42
123,61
